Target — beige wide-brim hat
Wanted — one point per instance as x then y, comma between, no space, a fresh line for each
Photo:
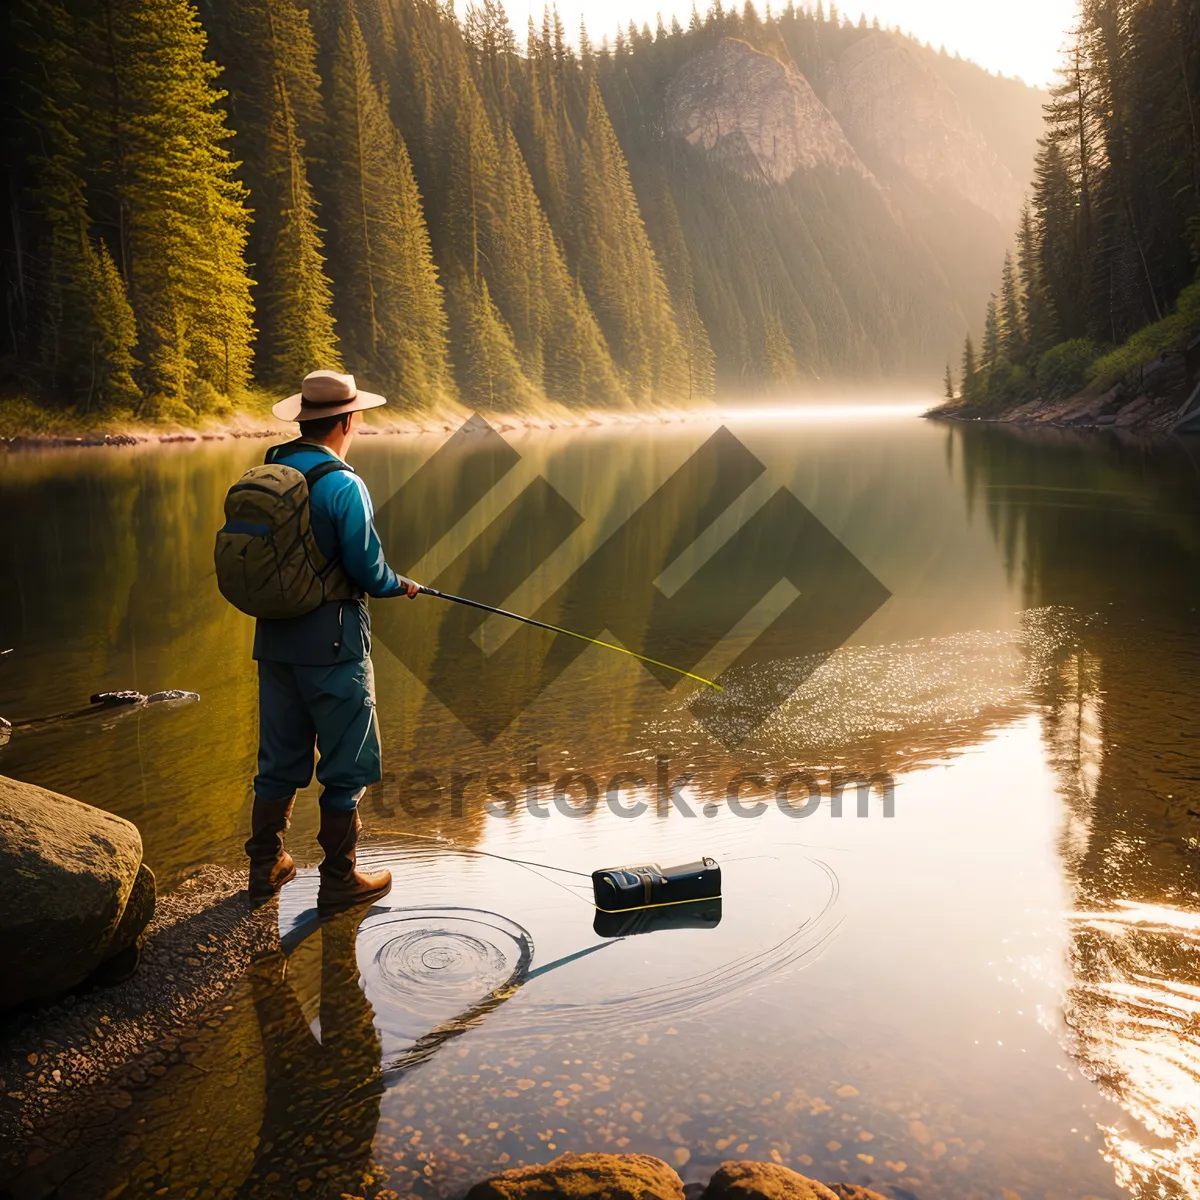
326,394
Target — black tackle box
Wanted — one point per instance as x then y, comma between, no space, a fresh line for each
618,889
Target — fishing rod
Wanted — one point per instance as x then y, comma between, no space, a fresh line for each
583,637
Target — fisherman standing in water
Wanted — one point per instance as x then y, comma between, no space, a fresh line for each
299,551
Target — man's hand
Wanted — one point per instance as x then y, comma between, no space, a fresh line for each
412,589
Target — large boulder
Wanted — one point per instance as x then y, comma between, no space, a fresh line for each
586,1177
76,892
763,1181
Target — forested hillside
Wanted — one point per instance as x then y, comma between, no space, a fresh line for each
1103,278
207,198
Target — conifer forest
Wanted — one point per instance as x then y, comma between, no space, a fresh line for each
218,196
1102,273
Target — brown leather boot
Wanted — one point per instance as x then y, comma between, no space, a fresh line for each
271,866
341,885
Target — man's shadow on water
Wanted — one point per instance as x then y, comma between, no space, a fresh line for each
183,1122
322,1097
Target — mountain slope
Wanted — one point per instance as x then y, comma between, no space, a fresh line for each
747,205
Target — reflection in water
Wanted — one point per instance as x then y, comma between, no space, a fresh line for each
434,970
1120,715
430,973
1134,1013
322,1096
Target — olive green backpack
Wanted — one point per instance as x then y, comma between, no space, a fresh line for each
268,562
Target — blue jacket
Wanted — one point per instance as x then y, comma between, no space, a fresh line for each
343,523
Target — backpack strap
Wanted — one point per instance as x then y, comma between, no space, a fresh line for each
279,453
299,446
326,468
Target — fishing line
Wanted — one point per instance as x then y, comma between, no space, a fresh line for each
521,862
583,637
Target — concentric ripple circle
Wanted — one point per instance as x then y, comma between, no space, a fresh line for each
427,971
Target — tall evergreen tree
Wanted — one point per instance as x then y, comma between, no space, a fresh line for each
1012,325
1062,251
1108,242
269,53
1036,308
991,335
87,330
388,300
968,368
188,282
294,296
618,269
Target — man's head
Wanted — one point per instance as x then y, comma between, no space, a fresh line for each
334,432
316,429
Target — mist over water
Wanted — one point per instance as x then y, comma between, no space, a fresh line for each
993,987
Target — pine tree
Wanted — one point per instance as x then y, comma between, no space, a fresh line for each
188,283
295,298
991,335
1037,312
948,384
388,300
968,368
490,371
1061,250
617,267
270,56
87,331
1012,329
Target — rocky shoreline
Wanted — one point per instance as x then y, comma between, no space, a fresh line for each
35,441
1160,398
201,940
1139,416
433,423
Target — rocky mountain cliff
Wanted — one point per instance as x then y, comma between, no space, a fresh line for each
828,201
886,107
756,113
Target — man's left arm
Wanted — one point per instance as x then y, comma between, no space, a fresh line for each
361,550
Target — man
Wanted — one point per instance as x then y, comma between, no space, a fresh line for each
316,686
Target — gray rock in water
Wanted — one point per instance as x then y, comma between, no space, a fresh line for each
76,891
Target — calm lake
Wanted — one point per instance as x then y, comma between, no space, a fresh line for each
991,980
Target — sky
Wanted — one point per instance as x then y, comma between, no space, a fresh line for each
1017,37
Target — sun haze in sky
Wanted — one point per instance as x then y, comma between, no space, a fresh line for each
1018,37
